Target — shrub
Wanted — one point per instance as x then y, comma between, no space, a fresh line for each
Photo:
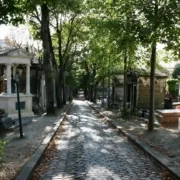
176,71
2,146
172,87
2,111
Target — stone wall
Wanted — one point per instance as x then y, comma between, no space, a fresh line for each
119,88
143,92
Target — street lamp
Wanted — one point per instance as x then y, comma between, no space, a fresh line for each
18,104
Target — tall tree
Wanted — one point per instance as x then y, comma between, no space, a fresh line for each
68,25
120,20
40,18
159,21
47,58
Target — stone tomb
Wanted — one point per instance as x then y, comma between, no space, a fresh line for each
168,117
12,61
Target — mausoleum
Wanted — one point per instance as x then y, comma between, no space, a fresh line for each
14,61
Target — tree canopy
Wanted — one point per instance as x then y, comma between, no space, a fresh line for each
11,11
90,39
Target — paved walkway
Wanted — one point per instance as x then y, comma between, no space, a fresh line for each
162,144
88,149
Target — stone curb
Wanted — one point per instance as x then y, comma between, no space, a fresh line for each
27,170
175,172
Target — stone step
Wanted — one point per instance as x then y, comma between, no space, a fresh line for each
7,123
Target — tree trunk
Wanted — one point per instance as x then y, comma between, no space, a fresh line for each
60,98
95,92
61,72
109,86
113,93
58,91
70,94
103,90
47,59
86,93
125,82
152,78
55,69
64,89
91,93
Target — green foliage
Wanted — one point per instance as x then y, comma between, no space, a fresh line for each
172,84
172,87
34,29
11,11
2,111
51,75
176,71
2,146
159,21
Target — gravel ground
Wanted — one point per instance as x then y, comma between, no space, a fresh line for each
17,151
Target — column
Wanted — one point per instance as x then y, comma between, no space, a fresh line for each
8,78
27,79
14,70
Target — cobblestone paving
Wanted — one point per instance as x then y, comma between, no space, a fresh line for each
89,149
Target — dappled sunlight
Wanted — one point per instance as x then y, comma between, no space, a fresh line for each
86,146
107,130
8,135
62,145
91,145
36,119
80,103
95,138
44,114
104,151
100,170
143,125
88,130
130,128
173,131
72,134
56,177
119,127
87,117
72,117
107,146
47,128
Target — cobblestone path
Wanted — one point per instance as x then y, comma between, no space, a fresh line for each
89,149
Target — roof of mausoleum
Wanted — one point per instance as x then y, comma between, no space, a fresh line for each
142,72
15,56
9,51
146,72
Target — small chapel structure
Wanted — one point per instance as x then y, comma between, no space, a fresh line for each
14,61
